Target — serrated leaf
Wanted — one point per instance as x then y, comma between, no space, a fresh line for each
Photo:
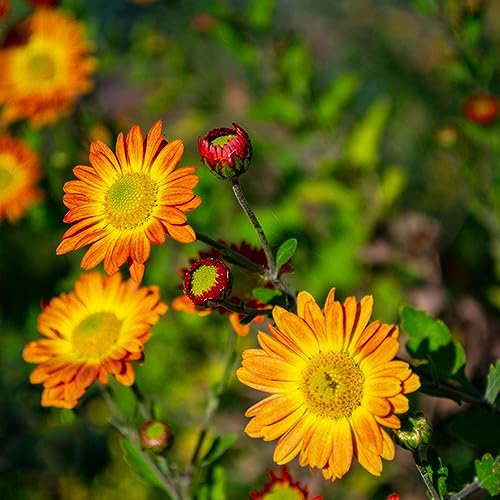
265,295
219,446
134,458
431,340
488,473
493,383
285,252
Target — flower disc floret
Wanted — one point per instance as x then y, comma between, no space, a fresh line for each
333,382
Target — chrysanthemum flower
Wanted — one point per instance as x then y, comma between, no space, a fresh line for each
282,487
44,74
128,200
19,171
334,385
97,329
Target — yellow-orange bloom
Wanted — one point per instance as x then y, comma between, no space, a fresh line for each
19,171
128,200
97,329
334,385
50,67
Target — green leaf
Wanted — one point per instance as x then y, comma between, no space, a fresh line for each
329,106
219,446
285,252
266,295
214,487
362,148
488,473
493,383
134,458
431,340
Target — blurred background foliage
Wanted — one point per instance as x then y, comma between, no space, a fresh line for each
362,151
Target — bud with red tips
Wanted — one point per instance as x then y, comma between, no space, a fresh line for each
207,282
155,436
226,151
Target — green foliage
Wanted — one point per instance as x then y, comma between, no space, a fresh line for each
488,473
218,447
431,342
285,252
136,460
362,148
493,383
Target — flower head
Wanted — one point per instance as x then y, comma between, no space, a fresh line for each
282,487
46,70
155,435
207,282
19,171
226,151
97,329
481,108
334,385
125,201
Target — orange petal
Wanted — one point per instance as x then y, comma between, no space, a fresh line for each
182,234
136,271
367,429
365,309
167,160
134,146
342,445
153,142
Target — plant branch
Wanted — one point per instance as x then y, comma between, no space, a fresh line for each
119,421
231,254
240,196
466,490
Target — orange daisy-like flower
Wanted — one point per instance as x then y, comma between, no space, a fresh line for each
97,329
128,200
282,487
334,385
46,70
19,171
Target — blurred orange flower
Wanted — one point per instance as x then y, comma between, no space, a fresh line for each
334,385
282,486
19,171
45,71
95,330
128,200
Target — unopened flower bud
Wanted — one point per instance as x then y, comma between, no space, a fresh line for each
207,282
155,436
415,433
481,108
226,151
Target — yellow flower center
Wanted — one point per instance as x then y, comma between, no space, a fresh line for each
203,278
332,385
130,201
40,67
283,492
96,334
6,177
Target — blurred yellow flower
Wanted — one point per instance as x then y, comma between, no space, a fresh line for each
46,70
95,330
334,385
128,200
19,171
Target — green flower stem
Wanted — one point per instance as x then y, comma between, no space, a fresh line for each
232,255
128,432
467,490
420,457
271,266
247,311
444,390
214,400
141,402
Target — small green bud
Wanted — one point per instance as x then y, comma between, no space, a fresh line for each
415,432
155,436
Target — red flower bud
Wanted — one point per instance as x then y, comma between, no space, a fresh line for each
155,436
207,282
481,109
226,151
